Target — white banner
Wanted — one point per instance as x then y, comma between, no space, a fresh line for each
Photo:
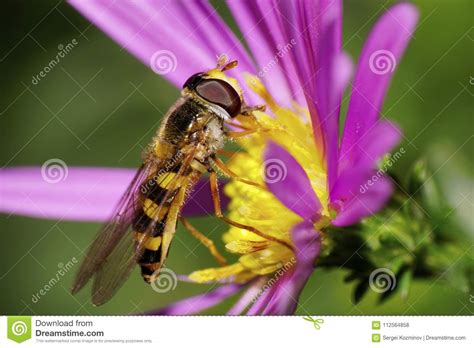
238,332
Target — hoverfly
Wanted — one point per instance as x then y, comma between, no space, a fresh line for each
183,149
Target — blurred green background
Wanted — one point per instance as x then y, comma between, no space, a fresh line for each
430,97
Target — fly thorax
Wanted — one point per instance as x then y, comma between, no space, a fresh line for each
214,136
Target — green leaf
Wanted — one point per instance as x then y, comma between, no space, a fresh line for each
360,290
424,188
404,283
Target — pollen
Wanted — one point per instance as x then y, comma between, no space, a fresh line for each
256,206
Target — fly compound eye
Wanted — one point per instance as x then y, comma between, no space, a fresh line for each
220,93
193,81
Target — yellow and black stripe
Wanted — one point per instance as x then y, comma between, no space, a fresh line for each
156,208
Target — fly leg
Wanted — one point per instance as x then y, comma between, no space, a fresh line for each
242,133
232,134
248,110
224,169
238,125
208,243
247,121
227,153
218,211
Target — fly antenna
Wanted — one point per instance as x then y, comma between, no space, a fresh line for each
224,64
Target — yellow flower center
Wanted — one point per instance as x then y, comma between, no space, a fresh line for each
258,207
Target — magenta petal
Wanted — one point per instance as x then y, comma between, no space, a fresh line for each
260,24
342,75
378,141
73,193
77,193
380,55
288,182
316,28
264,297
200,200
176,39
199,303
289,287
250,295
349,184
334,71
363,200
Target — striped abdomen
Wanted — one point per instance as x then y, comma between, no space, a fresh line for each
161,202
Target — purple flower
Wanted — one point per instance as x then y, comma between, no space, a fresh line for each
298,69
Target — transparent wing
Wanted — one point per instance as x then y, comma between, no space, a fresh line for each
112,232
121,258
